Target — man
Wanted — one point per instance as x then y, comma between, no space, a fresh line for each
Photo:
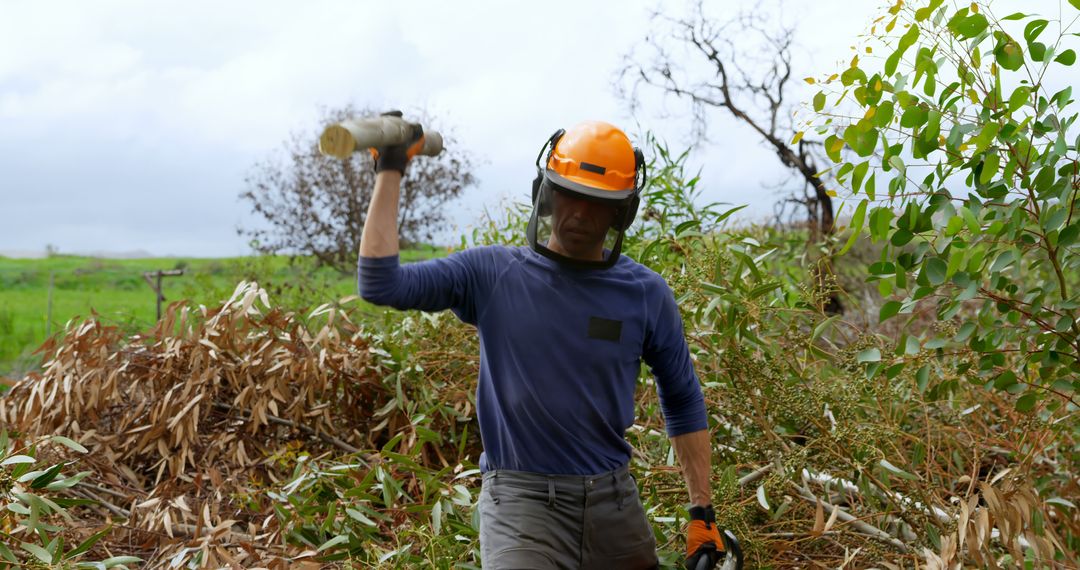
563,326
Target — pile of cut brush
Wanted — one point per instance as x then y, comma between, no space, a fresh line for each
250,436
193,424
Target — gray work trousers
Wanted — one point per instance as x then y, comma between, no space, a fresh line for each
531,520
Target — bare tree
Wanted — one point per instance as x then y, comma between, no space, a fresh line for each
742,66
316,205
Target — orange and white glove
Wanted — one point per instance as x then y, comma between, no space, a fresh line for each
703,541
397,156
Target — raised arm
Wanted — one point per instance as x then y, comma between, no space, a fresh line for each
380,236
458,281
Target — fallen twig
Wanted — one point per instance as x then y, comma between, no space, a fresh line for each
855,523
367,458
756,474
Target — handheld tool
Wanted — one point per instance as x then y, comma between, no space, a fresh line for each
362,133
730,559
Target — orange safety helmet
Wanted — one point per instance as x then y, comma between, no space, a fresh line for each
595,161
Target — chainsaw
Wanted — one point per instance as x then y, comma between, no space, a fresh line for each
730,559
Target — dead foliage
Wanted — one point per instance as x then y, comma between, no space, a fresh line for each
185,421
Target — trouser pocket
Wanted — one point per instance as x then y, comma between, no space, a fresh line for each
619,530
526,526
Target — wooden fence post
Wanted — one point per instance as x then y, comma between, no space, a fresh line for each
48,310
153,278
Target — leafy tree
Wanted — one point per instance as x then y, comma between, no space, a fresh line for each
965,168
316,205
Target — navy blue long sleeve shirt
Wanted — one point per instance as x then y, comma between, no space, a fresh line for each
560,351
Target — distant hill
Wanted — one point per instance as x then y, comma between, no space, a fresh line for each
41,254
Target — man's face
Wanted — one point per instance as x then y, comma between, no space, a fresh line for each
579,226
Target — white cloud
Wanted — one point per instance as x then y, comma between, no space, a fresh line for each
126,109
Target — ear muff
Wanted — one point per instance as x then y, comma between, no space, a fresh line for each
627,213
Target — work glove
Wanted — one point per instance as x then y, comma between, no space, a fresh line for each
396,156
704,546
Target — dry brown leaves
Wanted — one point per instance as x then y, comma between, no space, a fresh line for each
182,420
1001,514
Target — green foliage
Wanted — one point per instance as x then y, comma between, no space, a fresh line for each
30,492
884,422
346,511
980,224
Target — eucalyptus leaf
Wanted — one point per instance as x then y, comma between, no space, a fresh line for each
888,310
898,471
1026,402
1009,54
868,355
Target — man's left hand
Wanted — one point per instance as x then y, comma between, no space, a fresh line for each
703,539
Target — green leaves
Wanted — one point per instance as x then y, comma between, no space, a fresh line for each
1008,52
856,226
906,41
967,26
833,146
862,137
924,13
989,167
986,136
935,270
914,116
38,552
889,310
1019,98
880,223
868,355
859,172
884,115
1069,235
68,443
1033,29
1026,402
34,508
894,470
928,140
982,210
1003,260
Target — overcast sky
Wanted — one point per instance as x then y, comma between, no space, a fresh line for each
130,125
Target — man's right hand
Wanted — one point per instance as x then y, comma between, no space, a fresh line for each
396,157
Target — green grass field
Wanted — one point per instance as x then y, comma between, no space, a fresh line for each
117,291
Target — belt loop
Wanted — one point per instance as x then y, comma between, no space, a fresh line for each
551,492
618,492
491,487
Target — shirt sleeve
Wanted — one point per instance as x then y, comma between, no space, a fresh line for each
668,355
458,282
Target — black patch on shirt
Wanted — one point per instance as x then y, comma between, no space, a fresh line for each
605,329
